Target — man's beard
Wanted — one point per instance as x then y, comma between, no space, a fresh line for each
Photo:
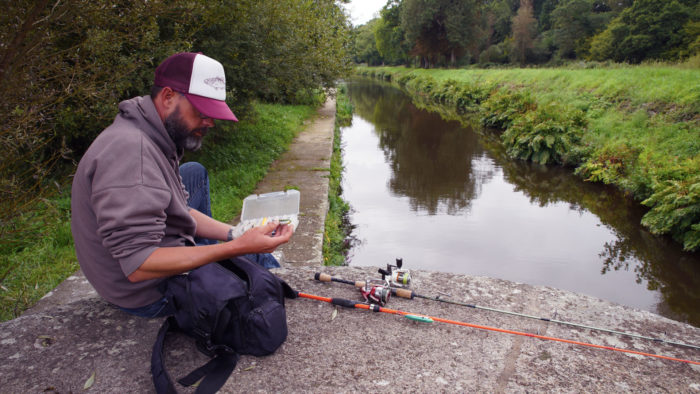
180,134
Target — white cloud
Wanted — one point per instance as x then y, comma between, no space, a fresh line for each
362,11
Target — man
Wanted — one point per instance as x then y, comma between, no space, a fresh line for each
131,221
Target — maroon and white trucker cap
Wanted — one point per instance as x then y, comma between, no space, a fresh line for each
201,79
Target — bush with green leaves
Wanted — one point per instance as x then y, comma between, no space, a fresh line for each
549,134
504,106
675,210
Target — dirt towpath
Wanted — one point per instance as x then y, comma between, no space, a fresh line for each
72,339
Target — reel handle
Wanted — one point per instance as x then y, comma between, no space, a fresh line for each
385,273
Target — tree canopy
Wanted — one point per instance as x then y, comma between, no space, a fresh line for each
432,33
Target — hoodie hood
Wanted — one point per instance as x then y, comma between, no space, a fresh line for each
141,112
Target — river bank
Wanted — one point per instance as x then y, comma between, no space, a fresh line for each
633,127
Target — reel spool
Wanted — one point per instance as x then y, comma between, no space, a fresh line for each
397,277
376,291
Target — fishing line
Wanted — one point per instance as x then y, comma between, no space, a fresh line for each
417,316
410,294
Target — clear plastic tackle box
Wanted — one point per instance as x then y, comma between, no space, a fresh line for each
281,206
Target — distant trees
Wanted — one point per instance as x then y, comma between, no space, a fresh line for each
440,30
450,32
649,30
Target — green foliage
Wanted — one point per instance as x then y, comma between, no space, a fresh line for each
431,33
273,49
441,30
336,227
676,211
389,35
574,23
648,29
549,134
365,44
504,106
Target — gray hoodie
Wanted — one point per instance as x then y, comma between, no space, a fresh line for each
127,201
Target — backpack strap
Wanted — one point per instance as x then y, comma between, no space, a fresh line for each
215,373
161,379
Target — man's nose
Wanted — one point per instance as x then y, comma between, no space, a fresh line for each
208,122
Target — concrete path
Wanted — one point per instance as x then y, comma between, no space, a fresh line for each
72,339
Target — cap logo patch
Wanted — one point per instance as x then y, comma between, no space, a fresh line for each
217,83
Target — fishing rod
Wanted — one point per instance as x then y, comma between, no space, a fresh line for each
410,294
425,318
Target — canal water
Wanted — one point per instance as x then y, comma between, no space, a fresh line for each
444,197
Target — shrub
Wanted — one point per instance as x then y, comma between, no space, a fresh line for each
547,135
502,107
675,210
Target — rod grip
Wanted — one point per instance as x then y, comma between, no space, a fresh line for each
322,277
403,293
343,302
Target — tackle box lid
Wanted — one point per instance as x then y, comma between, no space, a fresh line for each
271,205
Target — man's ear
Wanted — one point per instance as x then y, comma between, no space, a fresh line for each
165,102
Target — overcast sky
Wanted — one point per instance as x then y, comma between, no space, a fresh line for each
362,11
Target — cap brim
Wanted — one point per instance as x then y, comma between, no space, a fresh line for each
212,108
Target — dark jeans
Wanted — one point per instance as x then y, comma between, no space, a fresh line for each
196,181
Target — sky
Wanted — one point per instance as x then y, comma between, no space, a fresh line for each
362,11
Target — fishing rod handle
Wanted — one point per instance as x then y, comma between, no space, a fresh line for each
327,278
403,293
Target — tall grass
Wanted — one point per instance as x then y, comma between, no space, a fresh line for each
335,246
636,127
237,157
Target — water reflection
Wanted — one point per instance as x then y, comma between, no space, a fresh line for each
504,218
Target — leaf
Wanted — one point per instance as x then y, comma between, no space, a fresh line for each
89,382
334,314
249,368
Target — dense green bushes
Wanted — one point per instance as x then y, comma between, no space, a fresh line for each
637,128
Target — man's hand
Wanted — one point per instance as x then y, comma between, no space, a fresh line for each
170,261
264,239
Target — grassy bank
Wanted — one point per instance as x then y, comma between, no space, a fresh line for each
237,157
636,127
335,233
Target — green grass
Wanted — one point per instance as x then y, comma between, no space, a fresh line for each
237,156
335,234
635,127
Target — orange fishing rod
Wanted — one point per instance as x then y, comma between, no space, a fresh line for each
410,294
424,318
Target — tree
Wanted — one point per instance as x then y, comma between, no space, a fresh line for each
389,35
365,44
64,66
647,30
524,25
274,49
440,30
574,23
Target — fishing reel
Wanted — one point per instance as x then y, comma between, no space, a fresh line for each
376,291
397,276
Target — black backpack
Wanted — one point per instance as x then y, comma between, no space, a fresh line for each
231,307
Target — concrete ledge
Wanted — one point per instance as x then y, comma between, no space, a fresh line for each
359,350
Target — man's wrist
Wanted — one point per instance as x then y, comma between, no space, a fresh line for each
229,236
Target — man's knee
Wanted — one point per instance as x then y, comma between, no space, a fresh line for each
193,169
